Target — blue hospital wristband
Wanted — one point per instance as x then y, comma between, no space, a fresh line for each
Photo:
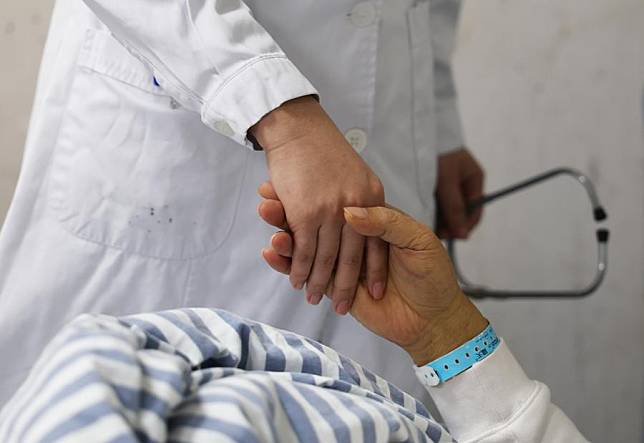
460,359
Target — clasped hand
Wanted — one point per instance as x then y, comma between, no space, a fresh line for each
423,309
316,173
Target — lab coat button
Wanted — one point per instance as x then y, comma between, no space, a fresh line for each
363,14
357,138
224,128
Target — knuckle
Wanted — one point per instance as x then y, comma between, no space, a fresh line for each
351,260
376,269
309,217
304,244
370,193
376,188
303,258
316,288
332,207
343,292
326,261
324,212
390,217
297,276
422,239
354,197
395,222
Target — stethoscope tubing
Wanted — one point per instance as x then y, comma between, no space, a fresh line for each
602,237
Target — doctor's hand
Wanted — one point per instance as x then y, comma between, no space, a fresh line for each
460,182
424,310
316,173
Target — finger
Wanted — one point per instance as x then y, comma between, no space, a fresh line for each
392,226
282,243
325,257
452,205
439,225
267,191
442,233
376,266
303,255
347,270
329,290
272,212
276,261
472,188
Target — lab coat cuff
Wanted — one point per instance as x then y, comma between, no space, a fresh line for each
449,130
487,396
256,89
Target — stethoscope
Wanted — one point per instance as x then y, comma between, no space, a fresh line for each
602,234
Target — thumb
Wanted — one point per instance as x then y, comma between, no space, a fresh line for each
390,225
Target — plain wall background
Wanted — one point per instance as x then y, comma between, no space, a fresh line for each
559,82
543,83
23,30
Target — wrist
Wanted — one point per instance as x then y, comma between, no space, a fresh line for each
460,322
291,121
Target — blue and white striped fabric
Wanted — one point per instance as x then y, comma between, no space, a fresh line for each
204,375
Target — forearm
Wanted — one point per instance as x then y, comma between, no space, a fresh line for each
494,400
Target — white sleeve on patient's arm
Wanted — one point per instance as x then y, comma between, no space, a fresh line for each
494,401
211,56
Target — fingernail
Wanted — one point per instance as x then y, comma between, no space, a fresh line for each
312,294
342,308
360,213
297,285
378,290
315,300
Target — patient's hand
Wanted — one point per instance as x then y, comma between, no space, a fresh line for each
423,310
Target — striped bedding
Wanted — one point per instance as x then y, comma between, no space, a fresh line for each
201,375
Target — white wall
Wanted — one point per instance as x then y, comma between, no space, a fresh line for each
559,82
23,28
543,83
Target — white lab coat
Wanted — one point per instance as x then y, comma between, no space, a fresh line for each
139,195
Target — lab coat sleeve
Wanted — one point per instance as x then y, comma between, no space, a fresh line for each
443,22
210,55
494,401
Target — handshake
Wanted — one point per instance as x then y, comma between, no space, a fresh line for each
421,307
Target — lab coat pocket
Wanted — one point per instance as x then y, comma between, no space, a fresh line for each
424,129
135,171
